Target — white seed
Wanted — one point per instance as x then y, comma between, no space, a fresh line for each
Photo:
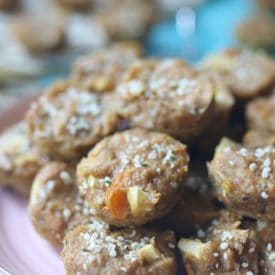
200,233
264,195
243,152
259,152
252,166
224,245
269,246
226,149
66,213
65,176
171,245
267,162
265,172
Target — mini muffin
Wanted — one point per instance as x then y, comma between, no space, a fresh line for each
248,73
19,158
126,19
8,4
197,205
133,177
55,203
98,249
75,4
244,179
260,114
257,31
84,33
266,246
167,96
256,138
224,248
27,30
66,122
269,4
224,103
102,70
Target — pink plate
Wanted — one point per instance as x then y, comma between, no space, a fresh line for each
22,250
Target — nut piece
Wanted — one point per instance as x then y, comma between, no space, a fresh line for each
149,252
140,201
192,248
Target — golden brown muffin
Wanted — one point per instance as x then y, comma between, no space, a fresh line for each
98,249
197,205
66,122
257,31
223,105
269,4
75,4
256,138
8,4
102,70
224,248
19,158
133,177
126,19
37,33
244,179
167,96
55,203
248,73
260,114
266,246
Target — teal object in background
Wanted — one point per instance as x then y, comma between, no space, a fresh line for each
216,21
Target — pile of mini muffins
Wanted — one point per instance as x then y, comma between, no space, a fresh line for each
80,24
127,166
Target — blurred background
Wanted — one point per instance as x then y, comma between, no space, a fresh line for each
40,39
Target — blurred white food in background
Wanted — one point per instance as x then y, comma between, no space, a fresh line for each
14,58
36,5
186,20
171,6
85,33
